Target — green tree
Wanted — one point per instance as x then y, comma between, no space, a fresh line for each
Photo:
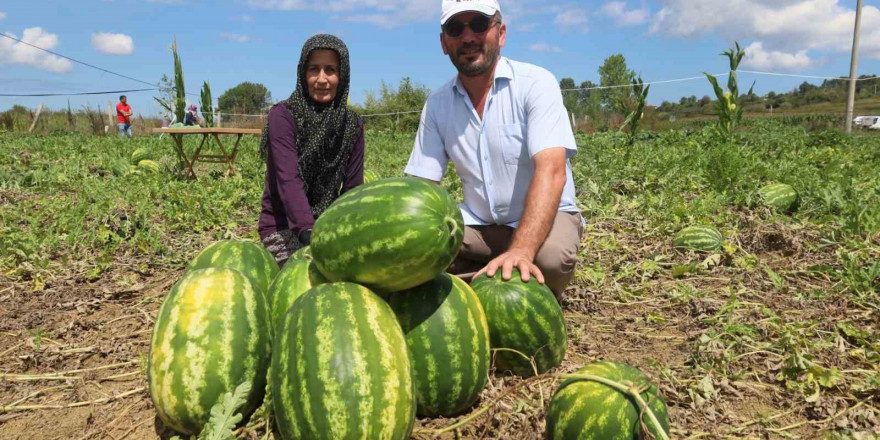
247,97
614,72
407,99
569,99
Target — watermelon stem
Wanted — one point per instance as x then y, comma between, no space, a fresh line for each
630,389
453,225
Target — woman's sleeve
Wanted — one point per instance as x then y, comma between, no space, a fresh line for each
282,141
354,169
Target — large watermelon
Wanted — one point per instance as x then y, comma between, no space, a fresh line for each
371,176
249,257
779,196
524,317
341,370
585,409
448,340
120,168
388,235
211,335
698,238
296,277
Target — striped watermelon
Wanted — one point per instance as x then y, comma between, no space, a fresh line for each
584,409
698,238
139,155
120,168
301,254
524,317
448,340
779,196
210,336
371,176
341,370
149,166
294,279
389,235
249,257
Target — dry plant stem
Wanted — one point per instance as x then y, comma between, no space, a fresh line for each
35,394
531,362
11,349
820,422
71,405
485,408
631,391
61,375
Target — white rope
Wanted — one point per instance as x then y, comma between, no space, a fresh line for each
668,81
693,78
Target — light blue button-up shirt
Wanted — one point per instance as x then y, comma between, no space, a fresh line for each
523,116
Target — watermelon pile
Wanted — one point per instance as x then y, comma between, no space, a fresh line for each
356,333
141,162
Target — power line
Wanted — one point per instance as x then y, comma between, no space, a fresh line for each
693,78
78,61
114,92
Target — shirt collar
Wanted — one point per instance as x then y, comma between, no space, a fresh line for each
502,70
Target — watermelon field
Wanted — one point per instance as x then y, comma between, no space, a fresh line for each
770,332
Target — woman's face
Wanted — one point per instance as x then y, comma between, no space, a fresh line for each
322,75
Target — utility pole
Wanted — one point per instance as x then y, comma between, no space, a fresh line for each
851,97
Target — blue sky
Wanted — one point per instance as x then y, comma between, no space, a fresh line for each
230,41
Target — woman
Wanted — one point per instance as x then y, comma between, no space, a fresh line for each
314,148
191,117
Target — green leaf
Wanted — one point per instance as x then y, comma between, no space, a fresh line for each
224,414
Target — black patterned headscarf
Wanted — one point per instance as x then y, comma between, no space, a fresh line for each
325,132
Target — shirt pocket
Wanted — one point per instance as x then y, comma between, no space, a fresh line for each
513,146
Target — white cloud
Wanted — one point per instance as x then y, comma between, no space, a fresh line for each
544,47
781,25
2,15
574,19
244,18
623,17
13,52
238,38
758,58
113,44
387,13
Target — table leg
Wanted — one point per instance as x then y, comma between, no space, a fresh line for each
230,169
188,172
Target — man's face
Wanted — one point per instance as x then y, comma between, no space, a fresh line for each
123,100
472,53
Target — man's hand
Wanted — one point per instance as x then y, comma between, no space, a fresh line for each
517,258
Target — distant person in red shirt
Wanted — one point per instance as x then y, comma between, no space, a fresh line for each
123,117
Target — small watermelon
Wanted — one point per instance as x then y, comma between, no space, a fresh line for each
249,257
586,409
149,166
698,238
448,340
139,155
371,176
341,370
303,253
779,196
524,317
211,335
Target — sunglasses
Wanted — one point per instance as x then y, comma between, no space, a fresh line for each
479,25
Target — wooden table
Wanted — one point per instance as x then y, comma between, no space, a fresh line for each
227,157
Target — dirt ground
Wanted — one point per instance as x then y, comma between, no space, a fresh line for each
73,356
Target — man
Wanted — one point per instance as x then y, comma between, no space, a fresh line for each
123,117
503,125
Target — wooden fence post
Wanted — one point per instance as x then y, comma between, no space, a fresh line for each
110,116
36,116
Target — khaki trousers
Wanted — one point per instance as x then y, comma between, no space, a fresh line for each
556,258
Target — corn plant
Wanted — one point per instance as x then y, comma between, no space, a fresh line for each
207,105
729,113
632,120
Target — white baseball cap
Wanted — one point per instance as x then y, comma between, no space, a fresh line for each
452,7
